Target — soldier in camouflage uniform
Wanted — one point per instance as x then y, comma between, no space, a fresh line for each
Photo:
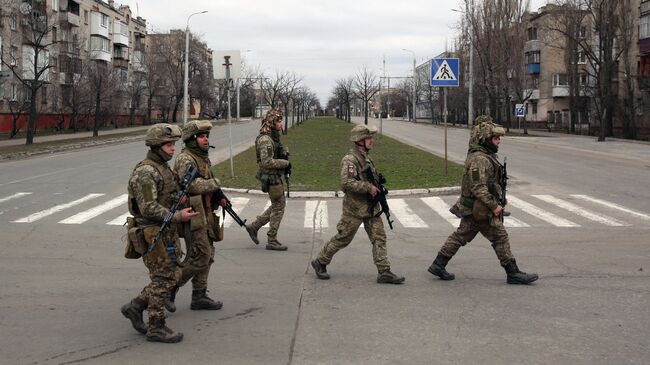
205,192
151,190
479,208
271,168
356,202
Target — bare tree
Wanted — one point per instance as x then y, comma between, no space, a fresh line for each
291,81
365,87
345,90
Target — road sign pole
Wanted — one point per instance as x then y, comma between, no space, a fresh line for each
444,118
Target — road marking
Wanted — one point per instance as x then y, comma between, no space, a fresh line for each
44,213
17,195
613,206
540,213
405,215
439,206
119,221
238,205
316,215
578,210
514,222
84,216
36,177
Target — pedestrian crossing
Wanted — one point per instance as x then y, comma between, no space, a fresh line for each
534,210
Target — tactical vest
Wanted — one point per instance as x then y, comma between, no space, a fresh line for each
272,173
165,195
206,200
467,198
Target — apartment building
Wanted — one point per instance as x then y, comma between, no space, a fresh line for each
78,33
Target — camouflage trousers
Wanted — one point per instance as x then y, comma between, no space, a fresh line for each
273,214
347,229
491,229
164,275
199,262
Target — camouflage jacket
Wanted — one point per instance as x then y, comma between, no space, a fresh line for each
204,185
354,183
480,180
151,188
267,156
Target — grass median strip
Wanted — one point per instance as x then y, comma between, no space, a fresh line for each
316,148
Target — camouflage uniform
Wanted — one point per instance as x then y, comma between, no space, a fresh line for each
480,191
151,190
270,173
356,202
200,228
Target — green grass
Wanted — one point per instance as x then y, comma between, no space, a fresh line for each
316,148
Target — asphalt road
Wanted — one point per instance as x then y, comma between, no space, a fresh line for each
64,278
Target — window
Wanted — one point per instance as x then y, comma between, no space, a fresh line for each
55,5
560,80
583,80
54,62
2,92
534,105
532,34
13,54
582,32
103,20
581,57
86,17
99,44
44,94
53,34
532,57
14,92
13,22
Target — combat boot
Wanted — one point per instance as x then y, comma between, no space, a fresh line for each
275,246
387,277
514,276
437,268
201,300
170,304
252,231
133,311
320,270
159,332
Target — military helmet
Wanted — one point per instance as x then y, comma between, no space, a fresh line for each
161,133
361,132
271,117
488,130
482,119
195,127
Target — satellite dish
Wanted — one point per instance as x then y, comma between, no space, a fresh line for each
25,8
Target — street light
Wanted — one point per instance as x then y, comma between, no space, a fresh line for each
414,91
187,61
470,98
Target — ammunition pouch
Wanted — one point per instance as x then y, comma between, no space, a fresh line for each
197,222
480,211
268,180
135,245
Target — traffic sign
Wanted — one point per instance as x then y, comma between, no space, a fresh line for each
444,72
520,110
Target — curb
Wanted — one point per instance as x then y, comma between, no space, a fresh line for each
339,194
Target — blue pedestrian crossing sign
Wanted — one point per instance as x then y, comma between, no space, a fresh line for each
444,72
520,110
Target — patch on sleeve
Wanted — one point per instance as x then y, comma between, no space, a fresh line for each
476,176
352,171
269,151
147,192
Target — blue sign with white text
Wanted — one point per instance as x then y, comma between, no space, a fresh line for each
444,72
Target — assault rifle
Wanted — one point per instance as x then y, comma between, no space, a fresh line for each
283,154
185,182
503,182
216,198
380,198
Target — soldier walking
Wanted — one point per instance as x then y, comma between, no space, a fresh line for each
271,167
202,231
356,203
151,187
479,208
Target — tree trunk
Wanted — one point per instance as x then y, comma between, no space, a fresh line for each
33,115
98,101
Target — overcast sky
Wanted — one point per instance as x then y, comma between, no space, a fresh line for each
317,39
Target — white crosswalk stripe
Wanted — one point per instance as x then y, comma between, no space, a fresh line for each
578,210
316,214
47,212
84,216
17,195
238,204
405,215
612,205
439,206
540,213
119,221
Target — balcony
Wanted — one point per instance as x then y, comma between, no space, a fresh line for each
560,91
96,26
531,94
532,46
120,63
98,55
533,69
120,34
66,17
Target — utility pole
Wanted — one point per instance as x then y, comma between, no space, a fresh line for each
228,80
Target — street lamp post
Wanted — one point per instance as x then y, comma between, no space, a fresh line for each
414,91
187,61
